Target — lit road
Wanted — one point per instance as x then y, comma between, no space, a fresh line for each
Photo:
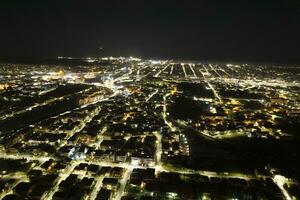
158,73
159,167
8,190
62,176
97,187
151,95
158,147
191,67
172,68
45,103
210,85
184,72
213,68
280,181
164,114
123,182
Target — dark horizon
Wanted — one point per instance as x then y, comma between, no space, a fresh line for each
241,31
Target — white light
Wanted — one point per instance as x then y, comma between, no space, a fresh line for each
154,62
281,181
135,162
131,58
213,110
90,60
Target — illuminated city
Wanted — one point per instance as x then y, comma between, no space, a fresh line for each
129,128
150,100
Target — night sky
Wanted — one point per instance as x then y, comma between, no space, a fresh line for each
254,30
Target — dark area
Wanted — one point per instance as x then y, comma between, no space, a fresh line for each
186,108
195,89
207,30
